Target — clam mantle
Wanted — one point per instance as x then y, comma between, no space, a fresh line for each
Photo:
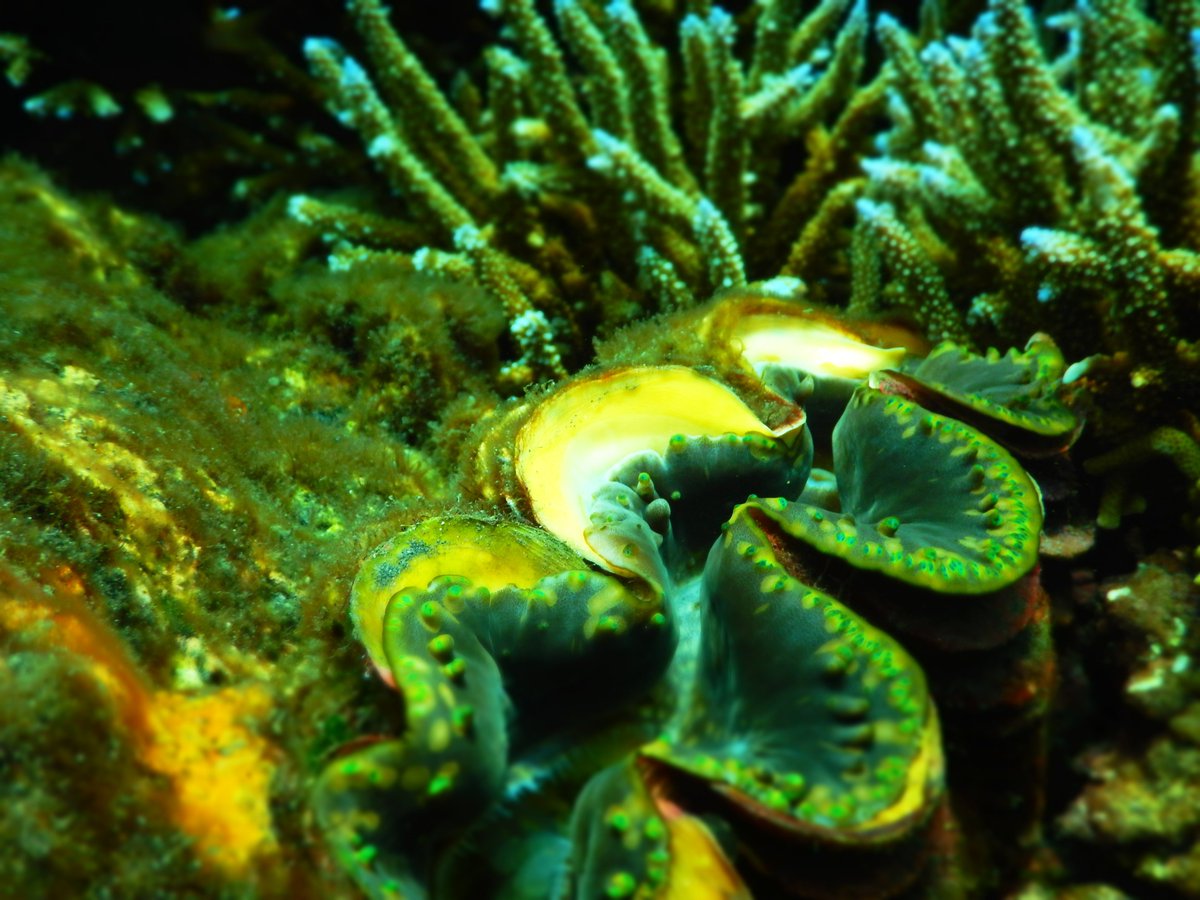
664,618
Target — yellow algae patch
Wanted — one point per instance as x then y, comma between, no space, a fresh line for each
218,767
71,626
70,230
220,770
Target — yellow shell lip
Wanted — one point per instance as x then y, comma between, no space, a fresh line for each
810,344
577,435
491,554
765,331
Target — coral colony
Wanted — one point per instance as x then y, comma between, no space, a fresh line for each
691,452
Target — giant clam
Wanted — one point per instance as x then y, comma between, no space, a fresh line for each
657,661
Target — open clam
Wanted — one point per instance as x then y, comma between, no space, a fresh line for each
807,354
810,731
605,461
768,332
933,504
668,678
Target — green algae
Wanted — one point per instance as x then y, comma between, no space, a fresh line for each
208,482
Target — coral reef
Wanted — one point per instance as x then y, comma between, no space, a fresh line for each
178,501
517,202
1138,792
724,556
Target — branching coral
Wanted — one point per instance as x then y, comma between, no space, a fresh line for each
1177,446
754,728
575,164
1039,195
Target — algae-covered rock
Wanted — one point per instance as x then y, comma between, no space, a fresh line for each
182,498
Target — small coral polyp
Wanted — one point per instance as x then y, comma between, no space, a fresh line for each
669,674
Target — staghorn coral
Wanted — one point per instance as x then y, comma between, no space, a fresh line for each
1068,229
576,141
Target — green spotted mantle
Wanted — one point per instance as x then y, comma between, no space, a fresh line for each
483,674
924,498
1014,397
802,712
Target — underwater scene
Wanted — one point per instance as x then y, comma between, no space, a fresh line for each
533,449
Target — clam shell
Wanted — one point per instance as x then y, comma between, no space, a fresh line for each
574,438
491,554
